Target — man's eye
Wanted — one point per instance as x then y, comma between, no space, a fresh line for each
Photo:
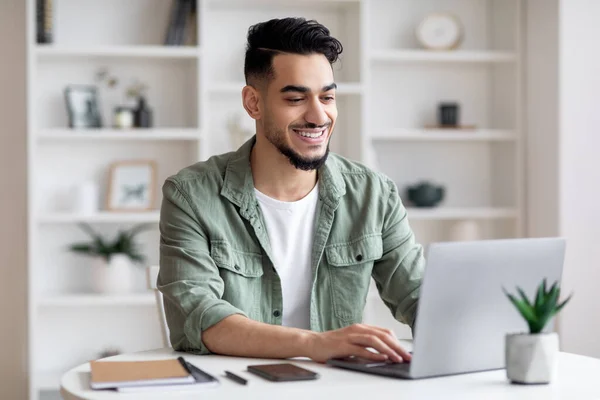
329,98
294,100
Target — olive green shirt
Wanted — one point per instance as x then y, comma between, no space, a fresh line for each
216,261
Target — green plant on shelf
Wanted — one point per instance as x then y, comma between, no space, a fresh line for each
124,243
540,310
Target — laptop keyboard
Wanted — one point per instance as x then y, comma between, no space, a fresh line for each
386,368
393,367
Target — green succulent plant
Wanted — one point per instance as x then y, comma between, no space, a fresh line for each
124,243
540,310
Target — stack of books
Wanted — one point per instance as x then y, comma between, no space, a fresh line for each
136,376
182,29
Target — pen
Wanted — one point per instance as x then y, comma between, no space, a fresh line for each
184,364
236,378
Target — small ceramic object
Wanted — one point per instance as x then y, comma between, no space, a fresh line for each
425,194
124,117
439,31
531,358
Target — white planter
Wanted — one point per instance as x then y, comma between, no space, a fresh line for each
115,277
531,358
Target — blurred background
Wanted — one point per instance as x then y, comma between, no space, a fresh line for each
483,112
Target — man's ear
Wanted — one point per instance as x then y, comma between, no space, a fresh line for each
251,102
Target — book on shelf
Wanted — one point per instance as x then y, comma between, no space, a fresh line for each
44,21
182,23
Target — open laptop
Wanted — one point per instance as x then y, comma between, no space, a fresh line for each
463,314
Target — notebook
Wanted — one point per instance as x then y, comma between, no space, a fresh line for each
202,380
118,374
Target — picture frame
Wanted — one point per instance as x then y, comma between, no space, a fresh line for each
82,105
131,186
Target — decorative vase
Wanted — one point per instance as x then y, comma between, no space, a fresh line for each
86,198
114,277
425,194
530,358
448,114
142,114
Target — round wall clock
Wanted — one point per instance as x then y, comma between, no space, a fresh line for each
439,32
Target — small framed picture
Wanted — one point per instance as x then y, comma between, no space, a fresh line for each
131,186
82,106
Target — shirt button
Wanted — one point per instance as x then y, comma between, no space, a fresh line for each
276,313
237,268
359,257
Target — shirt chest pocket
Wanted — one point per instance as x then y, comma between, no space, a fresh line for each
349,265
241,273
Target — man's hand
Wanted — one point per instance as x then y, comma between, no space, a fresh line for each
354,341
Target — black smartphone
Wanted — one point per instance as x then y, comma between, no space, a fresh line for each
282,372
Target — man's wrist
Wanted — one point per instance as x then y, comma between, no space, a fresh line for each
307,343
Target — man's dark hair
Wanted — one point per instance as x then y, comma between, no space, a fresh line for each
287,35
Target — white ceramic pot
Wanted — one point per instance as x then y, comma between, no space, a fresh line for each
115,277
531,358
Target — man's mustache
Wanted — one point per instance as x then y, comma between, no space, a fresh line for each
312,126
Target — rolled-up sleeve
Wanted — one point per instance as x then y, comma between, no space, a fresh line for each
399,272
188,279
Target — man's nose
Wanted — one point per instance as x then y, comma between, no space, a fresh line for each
316,113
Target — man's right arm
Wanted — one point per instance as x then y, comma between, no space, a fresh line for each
200,320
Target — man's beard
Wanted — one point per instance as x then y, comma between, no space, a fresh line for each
277,139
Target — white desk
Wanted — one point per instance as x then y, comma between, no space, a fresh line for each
578,378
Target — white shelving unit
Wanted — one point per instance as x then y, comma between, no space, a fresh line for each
60,134
388,87
441,135
49,51
447,213
99,218
87,300
458,56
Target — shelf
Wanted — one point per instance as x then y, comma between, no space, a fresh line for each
236,88
442,56
48,380
60,134
448,213
224,4
101,217
446,135
85,300
183,52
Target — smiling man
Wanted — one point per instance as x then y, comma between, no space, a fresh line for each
269,251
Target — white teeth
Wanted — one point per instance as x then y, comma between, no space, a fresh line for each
310,135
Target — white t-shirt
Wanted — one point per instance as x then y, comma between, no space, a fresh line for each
290,226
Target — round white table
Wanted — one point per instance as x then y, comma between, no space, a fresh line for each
577,377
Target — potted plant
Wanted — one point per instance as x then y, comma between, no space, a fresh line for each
531,358
112,259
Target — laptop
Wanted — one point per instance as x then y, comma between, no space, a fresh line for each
463,315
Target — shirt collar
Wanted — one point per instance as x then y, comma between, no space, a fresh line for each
238,184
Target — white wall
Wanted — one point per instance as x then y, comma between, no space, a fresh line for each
13,174
580,171
541,82
563,153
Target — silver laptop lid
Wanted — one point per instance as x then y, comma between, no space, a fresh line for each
463,314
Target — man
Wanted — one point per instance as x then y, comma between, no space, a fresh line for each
269,251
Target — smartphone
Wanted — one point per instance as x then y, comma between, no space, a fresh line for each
282,372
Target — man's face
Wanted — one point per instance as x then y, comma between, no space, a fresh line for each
300,109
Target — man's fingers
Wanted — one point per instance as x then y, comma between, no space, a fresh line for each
390,339
395,345
369,355
373,341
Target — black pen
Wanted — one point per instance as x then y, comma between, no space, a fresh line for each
185,365
236,378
